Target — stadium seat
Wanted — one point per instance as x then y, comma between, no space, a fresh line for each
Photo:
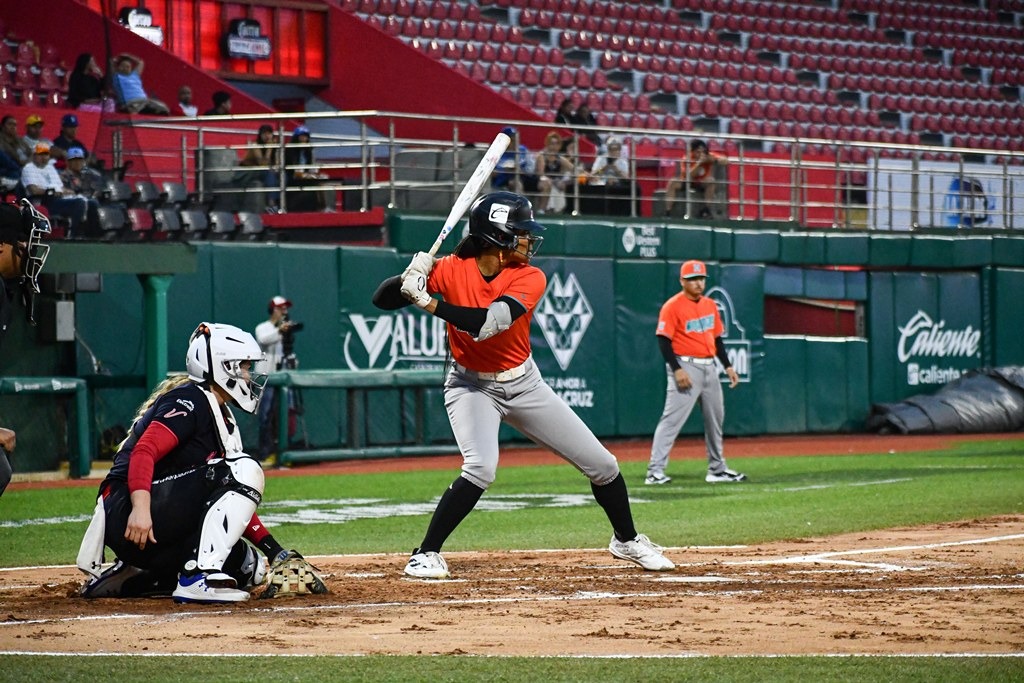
222,225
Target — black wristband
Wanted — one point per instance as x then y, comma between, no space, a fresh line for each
270,547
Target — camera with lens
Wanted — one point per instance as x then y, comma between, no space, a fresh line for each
288,330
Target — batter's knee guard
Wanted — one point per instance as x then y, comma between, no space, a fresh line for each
238,489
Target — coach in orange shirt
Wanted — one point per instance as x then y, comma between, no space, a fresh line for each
690,338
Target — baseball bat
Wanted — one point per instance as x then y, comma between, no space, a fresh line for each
472,187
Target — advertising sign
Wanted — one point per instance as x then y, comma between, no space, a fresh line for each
942,194
925,331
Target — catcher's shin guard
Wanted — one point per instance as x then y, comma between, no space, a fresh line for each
239,491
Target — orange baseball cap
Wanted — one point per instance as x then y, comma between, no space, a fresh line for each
692,269
41,148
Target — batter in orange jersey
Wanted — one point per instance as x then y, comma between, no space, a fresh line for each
488,293
689,337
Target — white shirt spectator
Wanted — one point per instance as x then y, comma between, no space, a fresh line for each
46,177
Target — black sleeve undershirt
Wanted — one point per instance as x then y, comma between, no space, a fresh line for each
720,352
470,319
665,346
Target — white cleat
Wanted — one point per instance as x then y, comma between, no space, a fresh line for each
643,552
198,588
657,478
725,477
429,565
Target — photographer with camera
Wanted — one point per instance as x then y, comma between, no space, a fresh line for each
276,336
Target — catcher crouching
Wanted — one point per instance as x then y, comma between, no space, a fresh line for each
178,508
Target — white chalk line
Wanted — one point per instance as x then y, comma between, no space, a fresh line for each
583,596
682,655
828,557
580,596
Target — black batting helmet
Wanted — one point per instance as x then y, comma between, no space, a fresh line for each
501,218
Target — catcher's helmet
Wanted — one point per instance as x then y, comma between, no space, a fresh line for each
215,355
501,218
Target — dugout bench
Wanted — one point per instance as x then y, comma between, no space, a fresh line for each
356,383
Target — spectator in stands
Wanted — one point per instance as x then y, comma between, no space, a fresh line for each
12,144
131,94
699,169
263,155
185,107
8,440
87,89
584,117
564,113
555,174
78,177
34,135
43,186
221,104
68,139
611,168
301,171
516,170
10,175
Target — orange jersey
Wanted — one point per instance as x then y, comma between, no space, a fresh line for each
460,282
691,325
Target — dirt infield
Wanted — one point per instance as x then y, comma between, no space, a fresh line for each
950,588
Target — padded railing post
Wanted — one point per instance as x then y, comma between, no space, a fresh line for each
155,316
81,466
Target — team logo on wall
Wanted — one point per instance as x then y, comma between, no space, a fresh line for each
737,346
564,314
406,340
966,204
924,338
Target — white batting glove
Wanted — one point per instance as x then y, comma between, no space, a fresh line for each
421,263
414,288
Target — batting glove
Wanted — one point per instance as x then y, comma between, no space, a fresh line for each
421,263
414,288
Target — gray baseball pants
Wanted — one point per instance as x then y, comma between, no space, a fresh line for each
706,389
477,407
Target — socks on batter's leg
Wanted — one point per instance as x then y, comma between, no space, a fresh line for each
614,499
457,502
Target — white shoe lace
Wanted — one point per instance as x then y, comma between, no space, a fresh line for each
642,540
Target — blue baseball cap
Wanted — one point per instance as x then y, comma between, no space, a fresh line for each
76,153
300,130
69,120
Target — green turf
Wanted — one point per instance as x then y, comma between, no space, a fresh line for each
786,498
510,669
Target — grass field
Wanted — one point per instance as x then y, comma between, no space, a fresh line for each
550,507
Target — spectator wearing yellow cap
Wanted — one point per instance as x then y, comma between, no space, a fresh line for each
34,135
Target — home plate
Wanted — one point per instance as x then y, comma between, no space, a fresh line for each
694,579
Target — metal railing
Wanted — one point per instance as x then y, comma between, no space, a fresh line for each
812,183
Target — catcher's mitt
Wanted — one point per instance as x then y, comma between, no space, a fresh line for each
290,574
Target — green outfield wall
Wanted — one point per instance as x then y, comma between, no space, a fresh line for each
934,307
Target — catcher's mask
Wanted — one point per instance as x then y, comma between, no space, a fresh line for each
22,251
